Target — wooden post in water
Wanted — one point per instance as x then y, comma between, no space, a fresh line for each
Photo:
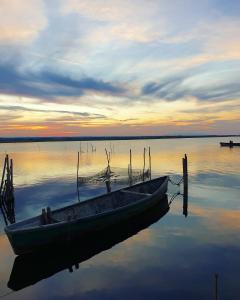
108,172
12,200
130,167
2,187
144,162
150,163
108,186
77,166
2,192
3,174
7,191
185,202
185,172
77,177
108,161
11,172
8,183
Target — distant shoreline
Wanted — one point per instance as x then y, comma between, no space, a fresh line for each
103,138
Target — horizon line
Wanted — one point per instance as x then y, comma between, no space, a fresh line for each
25,139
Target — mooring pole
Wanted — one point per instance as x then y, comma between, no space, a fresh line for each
77,166
108,172
144,162
3,174
185,172
130,167
7,191
2,192
108,182
8,175
77,178
185,185
185,202
150,163
11,172
8,198
108,186
108,157
12,204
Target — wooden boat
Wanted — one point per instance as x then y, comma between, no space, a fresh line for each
80,219
30,268
229,144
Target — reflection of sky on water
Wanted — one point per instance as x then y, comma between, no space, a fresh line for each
53,193
174,258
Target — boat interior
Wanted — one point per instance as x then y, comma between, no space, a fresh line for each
97,205
108,202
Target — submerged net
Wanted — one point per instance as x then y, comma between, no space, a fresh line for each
116,174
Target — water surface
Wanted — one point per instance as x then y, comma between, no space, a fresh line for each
174,258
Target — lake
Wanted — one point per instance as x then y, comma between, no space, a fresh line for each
171,257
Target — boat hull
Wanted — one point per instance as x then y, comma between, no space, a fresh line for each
35,239
222,144
33,267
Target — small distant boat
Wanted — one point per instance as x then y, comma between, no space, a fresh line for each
78,220
229,144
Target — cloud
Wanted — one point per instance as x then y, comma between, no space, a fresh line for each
132,21
125,31
109,10
147,21
48,84
203,85
21,21
162,62
222,42
8,118
163,89
206,107
82,84
48,111
197,46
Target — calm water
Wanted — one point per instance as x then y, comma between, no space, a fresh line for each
174,258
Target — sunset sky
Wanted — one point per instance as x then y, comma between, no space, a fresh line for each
118,67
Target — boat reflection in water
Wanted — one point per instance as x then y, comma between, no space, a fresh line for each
28,269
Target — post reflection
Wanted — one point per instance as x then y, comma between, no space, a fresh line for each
185,200
30,268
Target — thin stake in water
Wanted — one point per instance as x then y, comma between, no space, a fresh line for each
144,162
77,178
